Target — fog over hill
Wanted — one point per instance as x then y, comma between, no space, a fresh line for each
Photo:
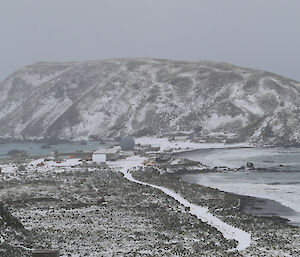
111,98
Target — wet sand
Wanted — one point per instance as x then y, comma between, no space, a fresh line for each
263,207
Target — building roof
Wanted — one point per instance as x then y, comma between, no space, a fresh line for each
112,150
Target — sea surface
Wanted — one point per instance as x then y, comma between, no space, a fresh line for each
279,182
34,149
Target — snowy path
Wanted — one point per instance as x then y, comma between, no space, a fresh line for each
229,232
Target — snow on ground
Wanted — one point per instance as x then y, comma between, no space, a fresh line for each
67,212
165,144
229,232
8,169
65,163
37,161
51,163
12,170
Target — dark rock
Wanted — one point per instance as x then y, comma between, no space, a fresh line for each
163,158
250,165
21,168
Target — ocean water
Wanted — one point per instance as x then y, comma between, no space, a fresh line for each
35,148
280,182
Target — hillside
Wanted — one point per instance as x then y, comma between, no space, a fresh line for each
15,240
111,98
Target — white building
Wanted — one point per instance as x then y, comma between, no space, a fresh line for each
102,155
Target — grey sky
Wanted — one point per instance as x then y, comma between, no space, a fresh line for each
263,34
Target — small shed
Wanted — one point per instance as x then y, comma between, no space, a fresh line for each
45,253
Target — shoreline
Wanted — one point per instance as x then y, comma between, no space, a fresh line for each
229,208
258,206
213,148
263,207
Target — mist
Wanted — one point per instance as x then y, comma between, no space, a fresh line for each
257,34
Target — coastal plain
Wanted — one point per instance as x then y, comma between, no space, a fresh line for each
97,212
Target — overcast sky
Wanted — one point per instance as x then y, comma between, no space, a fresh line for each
263,34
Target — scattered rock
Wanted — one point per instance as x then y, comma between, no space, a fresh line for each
21,168
250,165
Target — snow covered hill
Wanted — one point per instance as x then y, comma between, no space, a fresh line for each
111,98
